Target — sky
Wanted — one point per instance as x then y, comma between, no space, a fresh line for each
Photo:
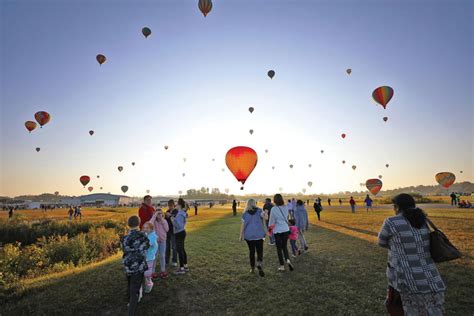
190,84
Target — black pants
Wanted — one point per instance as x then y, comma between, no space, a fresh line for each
255,245
319,216
281,241
134,284
180,237
171,246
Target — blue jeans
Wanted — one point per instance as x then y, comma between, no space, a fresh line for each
294,247
353,208
162,253
171,245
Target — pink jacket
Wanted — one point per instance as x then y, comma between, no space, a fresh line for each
294,233
161,228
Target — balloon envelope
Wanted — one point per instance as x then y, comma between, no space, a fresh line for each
348,70
446,179
271,74
383,95
42,117
84,180
385,118
120,168
146,31
166,147
124,188
133,163
38,149
205,6
91,132
251,131
251,109
30,125
373,185
354,167
90,189
343,135
100,59
310,183
241,161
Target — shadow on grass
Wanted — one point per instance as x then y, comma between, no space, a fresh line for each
359,230
340,275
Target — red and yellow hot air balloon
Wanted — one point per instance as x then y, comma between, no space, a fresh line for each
373,185
343,135
84,180
205,6
100,59
241,161
383,95
90,189
446,179
30,125
42,118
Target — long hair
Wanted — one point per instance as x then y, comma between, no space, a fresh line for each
251,204
278,199
407,206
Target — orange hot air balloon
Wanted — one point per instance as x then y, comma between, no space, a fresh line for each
271,74
91,132
42,118
84,180
30,125
373,185
90,189
385,118
383,95
343,135
446,179
241,161
100,59
205,6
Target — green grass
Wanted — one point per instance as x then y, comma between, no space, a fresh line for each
343,274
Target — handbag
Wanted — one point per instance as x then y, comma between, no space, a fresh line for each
393,302
440,247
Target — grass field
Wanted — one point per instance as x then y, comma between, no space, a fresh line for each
343,274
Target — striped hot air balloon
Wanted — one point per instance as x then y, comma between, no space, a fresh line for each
42,118
205,6
373,185
383,95
30,125
446,179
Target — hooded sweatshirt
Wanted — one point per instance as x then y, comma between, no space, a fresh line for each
253,224
179,222
161,228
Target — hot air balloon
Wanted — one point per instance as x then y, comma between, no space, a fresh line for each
251,131
147,191
310,165
383,95
460,171
56,193
101,188
91,132
354,167
98,177
38,149
146,31
120,168
280,189
266,151
166,147
133,163
180,192
291,166
124,188
304,190
42,118
273,167
30,125
380,176
385,118
184,174
222,169
343,135
241,161
84,180
322,151
446,179
90,189
373,185
343,161
387,165
100,59
205,6
213,159
348,70
310,184
271,73
184,159
251,109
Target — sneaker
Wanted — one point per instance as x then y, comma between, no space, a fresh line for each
271,243
252,270
186,268
179,271
290,265
260,271
163,275
281,269
154,275
306,248
293,255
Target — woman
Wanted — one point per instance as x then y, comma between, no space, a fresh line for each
253,231
161,229
301,221
279,227
410,268
179,224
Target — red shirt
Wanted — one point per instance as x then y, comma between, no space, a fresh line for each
352,202
145,213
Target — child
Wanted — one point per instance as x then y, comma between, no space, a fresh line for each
134,246
179,224
293,238
161,230
149,230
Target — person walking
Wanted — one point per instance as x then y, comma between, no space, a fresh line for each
301,222
454,200
195,208
352,202
279,227
411,270
329,201
368,203
234,208
340,202
10,213
171,252
146,210
252,230
318,208
267,208
180,236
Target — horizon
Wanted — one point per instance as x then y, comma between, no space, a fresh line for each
190,84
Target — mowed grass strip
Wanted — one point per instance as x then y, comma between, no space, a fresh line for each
341,275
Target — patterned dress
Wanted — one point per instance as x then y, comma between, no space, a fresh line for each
410,268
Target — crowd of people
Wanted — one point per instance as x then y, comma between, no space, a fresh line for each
457,201
75,212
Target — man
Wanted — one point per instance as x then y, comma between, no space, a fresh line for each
267,208
317,208
453,198
329,201
195,208
146,210
234,208
170,239
352,202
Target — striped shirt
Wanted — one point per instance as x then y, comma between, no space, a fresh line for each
410,268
